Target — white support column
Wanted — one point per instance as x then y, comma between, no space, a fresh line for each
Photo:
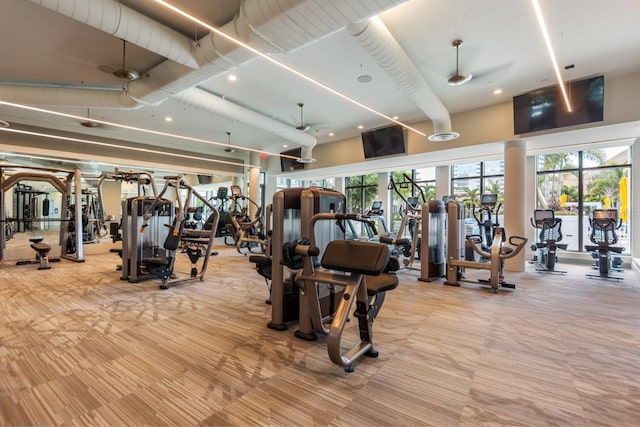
254,182
515,165
340,184
384,195
530,203
634,206
443,181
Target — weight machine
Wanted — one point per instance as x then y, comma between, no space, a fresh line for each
292,209
604,223
147,221
69,188
548,240
358,271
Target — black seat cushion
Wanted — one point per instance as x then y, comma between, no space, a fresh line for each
381,283
41,247
157,261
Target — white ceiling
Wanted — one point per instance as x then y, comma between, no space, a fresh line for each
502,48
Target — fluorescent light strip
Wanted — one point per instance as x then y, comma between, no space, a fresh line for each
285,66
133,128
83,162
552,55
105,144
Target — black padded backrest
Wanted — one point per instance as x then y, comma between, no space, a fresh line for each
551,229
172,241
353,256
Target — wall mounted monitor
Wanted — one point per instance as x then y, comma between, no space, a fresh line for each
544,109
387,141
290,165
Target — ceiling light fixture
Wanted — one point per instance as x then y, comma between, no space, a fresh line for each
133,128
106,144
552,55
285,66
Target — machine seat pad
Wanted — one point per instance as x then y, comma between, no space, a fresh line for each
616,249
260,259
41,247
562,245
36,239
381,283
357,257
157,261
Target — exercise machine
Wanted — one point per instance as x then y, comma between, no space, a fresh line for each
494,256
66,182
433,261
486,217
360,272
549,239
147,221
291,210
407,239
604,223
146,186
247,232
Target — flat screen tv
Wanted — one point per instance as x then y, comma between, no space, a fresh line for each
290,165
386,141
544,108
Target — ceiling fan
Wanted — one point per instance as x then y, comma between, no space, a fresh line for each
458,79
122,73
302,126
90,123
229,149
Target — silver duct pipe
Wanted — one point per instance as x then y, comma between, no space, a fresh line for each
125,23
374,36
286,24
204,100
69,97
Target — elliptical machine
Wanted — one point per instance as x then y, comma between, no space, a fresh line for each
486,217
604,223
548,240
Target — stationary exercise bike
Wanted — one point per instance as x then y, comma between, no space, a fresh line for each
604,223
548,240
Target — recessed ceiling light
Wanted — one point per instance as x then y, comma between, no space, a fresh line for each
331,133
360,126
364,78
395,117
497,91
284,145
168,119
232,77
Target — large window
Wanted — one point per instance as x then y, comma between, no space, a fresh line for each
470,180
425,180
574,184
361,191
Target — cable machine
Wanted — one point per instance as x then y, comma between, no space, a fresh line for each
70,189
